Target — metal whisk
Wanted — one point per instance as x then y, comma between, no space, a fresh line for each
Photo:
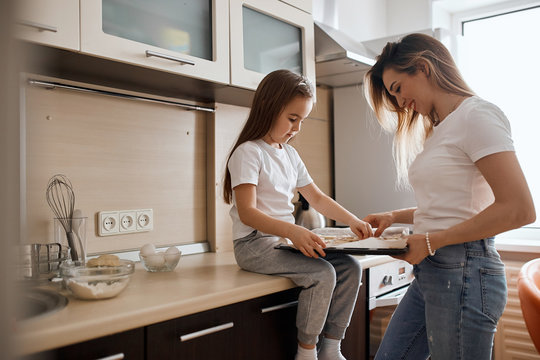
61,200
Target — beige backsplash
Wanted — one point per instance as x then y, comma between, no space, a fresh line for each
122,154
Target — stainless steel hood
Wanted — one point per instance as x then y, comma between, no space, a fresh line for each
339,60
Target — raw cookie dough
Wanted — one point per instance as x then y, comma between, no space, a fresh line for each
104,260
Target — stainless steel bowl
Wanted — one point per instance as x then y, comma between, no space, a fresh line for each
34,303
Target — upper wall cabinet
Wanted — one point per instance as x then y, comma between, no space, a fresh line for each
184,37
267,35
51,22
306,5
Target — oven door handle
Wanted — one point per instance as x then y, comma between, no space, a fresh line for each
390,299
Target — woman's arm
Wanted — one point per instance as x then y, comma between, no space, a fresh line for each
385,219
330,208
303,239
513,207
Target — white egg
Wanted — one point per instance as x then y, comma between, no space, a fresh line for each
148,249
173,250
155,260
172,256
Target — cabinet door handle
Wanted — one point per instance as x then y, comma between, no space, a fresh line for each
279,307
35,25
204,332
118,356
169,57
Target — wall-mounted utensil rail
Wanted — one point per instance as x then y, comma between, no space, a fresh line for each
53,85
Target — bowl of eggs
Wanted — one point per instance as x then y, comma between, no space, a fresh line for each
159,261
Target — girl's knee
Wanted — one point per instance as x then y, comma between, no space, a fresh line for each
325,273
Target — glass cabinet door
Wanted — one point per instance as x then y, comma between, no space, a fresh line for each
181,26
187,37
270,44
267,36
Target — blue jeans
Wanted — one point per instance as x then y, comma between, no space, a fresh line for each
451,309
329,285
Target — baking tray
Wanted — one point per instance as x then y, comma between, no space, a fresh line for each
352,251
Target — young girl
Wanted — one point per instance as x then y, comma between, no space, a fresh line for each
458,152
263,173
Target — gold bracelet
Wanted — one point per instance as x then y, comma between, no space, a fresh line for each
429,245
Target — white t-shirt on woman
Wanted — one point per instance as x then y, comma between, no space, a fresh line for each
276,173
448,187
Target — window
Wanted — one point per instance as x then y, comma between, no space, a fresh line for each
498,56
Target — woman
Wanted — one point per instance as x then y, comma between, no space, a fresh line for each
456,151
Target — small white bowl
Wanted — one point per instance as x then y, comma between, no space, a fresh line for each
160,262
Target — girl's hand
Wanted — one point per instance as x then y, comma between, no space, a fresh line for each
307,242
417,249
380,221
361,228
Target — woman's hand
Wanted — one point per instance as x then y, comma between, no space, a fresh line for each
418,249
380,221
307,242
361,228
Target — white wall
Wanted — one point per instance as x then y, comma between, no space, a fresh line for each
360,19
407,16
364,168
371,19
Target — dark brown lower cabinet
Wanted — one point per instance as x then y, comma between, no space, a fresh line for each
213,334
262,328
354,346
128,345
270,324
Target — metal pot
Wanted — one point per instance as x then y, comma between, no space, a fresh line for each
306,216
40,261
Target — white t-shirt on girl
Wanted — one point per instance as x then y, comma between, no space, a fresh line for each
448,187
276,173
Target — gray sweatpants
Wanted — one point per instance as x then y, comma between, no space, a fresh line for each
329,285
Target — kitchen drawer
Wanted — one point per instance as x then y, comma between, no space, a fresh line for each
128,345
211,334
270,323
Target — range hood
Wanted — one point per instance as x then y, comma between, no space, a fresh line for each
339,60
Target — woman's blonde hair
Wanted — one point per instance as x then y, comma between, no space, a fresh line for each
410,127
274,92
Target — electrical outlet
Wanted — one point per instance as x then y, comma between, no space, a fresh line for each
108,223
145,220
127,221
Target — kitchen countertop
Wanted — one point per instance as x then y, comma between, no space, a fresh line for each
200,282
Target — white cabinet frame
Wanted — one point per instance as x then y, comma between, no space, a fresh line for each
95,42
242,77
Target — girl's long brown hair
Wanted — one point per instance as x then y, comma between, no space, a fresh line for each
411,128
274,92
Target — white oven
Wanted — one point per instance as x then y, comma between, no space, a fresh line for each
387,284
